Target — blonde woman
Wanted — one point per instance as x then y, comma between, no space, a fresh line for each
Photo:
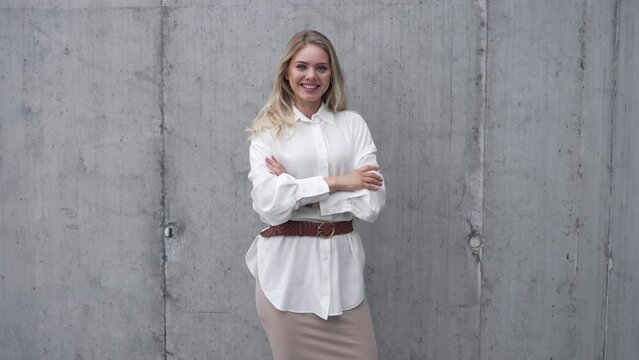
313,168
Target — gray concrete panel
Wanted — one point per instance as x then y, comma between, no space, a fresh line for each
81,266
623,311
423,96
597,41
216,78
542,213
400,79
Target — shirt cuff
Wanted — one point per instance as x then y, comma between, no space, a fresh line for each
337,202
312,190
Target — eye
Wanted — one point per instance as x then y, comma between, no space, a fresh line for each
322,68
300,67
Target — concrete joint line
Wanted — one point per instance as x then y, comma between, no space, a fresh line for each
163,14
613,114
484,4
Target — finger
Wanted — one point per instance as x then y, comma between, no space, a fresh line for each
371,187
274,160
373,183
373,175
275,164
272,169
372,178
366,168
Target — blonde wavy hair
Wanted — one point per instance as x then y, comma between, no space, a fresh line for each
277,114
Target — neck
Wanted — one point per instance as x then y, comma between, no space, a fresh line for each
308,109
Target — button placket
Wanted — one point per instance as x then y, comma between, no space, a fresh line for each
320,145
324,244
325,271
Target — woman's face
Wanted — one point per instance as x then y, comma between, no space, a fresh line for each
309,74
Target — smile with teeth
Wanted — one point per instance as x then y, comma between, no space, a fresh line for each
310,86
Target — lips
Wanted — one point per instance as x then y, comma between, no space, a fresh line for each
310,89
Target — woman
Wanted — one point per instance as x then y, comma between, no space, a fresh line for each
313,168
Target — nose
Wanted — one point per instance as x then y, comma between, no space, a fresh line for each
311,74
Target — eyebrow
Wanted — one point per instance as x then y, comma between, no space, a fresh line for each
305,63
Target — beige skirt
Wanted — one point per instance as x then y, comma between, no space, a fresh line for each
295,336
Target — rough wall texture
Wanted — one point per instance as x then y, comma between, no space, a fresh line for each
623,314
547,179
81,267
513,120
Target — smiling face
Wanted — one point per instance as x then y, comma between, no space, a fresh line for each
309,75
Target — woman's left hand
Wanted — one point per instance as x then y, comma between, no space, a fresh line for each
277,169
274,166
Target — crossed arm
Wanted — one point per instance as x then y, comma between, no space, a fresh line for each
361,178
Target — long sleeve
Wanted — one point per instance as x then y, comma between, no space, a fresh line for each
363,204
276,197
312,274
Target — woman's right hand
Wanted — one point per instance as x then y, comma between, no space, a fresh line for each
360,178
274,166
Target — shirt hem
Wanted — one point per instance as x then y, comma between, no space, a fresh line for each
279,308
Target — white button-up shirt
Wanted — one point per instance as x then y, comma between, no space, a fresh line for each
312,274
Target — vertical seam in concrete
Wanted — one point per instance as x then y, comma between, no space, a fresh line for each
613,114
581,77
482,149
163,172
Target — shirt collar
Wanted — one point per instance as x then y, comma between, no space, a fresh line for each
322,114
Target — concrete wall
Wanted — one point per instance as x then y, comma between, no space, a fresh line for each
623,247
547,182
513,120
81,266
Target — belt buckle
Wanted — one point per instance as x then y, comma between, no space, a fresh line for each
320,230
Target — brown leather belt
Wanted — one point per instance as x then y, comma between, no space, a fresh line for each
305,228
